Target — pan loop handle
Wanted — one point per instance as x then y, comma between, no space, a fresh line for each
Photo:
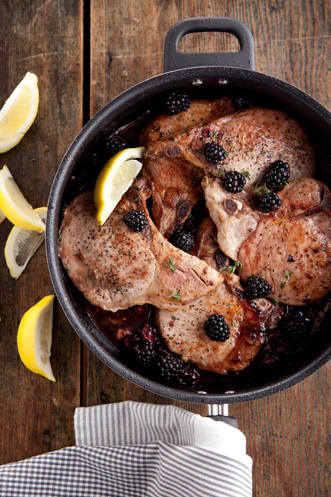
243,59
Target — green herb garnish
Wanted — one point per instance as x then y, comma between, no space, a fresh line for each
287,274
282,285
247,175
171,265
176,296
276,302
136,199
233,268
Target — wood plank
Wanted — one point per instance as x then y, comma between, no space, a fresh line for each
45,38
288,432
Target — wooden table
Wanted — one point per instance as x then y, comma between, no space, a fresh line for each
84,54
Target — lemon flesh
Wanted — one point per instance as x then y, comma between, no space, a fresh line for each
19,112
115,179
34,337
14,205
22,244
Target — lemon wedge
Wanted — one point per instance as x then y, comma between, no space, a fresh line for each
34,337
2,216
14,206
115,179
22,244
19,112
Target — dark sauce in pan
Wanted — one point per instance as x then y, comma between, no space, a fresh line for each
279,351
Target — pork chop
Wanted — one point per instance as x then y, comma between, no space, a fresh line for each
116,268
200,112
253,138
291,247
183,330
175,183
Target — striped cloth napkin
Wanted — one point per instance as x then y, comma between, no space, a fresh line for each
132,449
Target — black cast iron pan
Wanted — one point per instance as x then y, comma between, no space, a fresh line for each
203,76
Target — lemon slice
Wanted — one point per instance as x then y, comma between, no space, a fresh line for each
22,244
19,112
34,337
2,216
14,206
115,179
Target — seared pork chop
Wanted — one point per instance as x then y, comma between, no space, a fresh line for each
200,112
176,189
116,268
183,330
290,247
175,183
253,139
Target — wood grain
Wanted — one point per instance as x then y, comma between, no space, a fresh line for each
45,38
287,433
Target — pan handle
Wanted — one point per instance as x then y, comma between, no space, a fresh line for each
243,59
220,412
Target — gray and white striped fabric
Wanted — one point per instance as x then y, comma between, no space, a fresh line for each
137,450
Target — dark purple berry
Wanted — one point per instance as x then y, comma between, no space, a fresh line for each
171,368
176,102
183,240
277,175
269,202
241,103
297,324
234,182
113,145
143,344
257,287
216,328
135,220
214,152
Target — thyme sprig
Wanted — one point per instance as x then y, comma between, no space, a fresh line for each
171,265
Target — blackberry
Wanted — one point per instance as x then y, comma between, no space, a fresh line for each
257,287
269,202
277,175
135,220
176,102
234,182
143,344
113,145
241,103
183,240
297,324
171,368
214,152
216,328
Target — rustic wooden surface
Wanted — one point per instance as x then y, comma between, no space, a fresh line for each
289,433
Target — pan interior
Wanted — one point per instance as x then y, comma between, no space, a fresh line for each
127,114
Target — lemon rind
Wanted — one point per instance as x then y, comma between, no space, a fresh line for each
104,181
14,214
29,333
31,80
14,269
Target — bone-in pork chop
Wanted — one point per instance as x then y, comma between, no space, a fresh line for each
175,183
116,268
183,330
253,139
200,112
290,247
